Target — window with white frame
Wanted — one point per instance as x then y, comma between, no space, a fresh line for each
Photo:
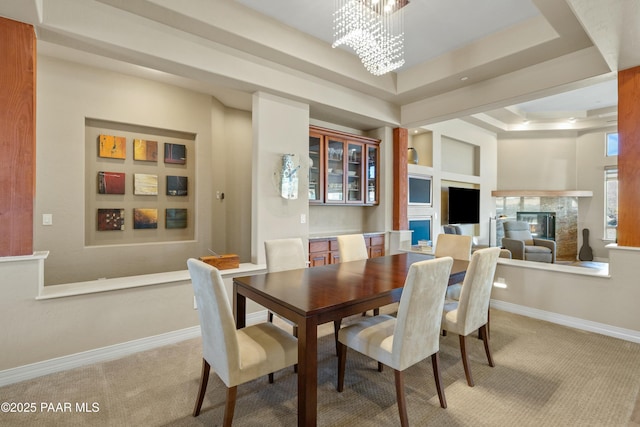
611,202
612,144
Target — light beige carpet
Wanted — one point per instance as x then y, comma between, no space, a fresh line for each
545,375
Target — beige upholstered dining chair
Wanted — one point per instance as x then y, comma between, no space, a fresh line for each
472,311
236,355
352,247
456,246
402,341
282,255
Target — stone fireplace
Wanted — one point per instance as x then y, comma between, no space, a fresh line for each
563,203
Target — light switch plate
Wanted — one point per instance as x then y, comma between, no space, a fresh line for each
47,219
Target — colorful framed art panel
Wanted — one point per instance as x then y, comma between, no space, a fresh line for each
111,182
175,218
112,147
145,184
110,219
144,218
175,153
145,150
177,185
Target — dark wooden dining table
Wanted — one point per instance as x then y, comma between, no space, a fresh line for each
312,296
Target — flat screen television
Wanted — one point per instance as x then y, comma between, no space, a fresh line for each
419,190
464,205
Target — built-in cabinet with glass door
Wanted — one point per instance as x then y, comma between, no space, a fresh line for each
371,174
316,168
343,168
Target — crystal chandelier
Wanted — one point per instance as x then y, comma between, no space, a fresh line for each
374,29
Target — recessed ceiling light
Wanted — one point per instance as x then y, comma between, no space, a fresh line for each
464,78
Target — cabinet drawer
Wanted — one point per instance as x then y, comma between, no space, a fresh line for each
333,245
377,240
318,246
376,251
319,258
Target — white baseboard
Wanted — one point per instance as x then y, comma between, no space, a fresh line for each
112,352
573,322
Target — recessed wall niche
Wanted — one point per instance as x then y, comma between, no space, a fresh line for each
110,184
460,157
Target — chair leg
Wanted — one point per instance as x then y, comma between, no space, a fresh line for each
435,362
465,360
230,406
271,378
295,334
342,362
204,379
336,328
402,403
484,330
376,311
488,322
380,367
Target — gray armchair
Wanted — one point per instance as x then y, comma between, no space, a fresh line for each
523,245
452,229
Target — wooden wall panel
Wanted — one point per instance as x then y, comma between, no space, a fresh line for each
629,157
400,178
17,137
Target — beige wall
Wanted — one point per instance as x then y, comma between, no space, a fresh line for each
537,163
591,162
67,94
280,126
35,331
380,218
423,143
235,153
219,178
610,302
459,157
